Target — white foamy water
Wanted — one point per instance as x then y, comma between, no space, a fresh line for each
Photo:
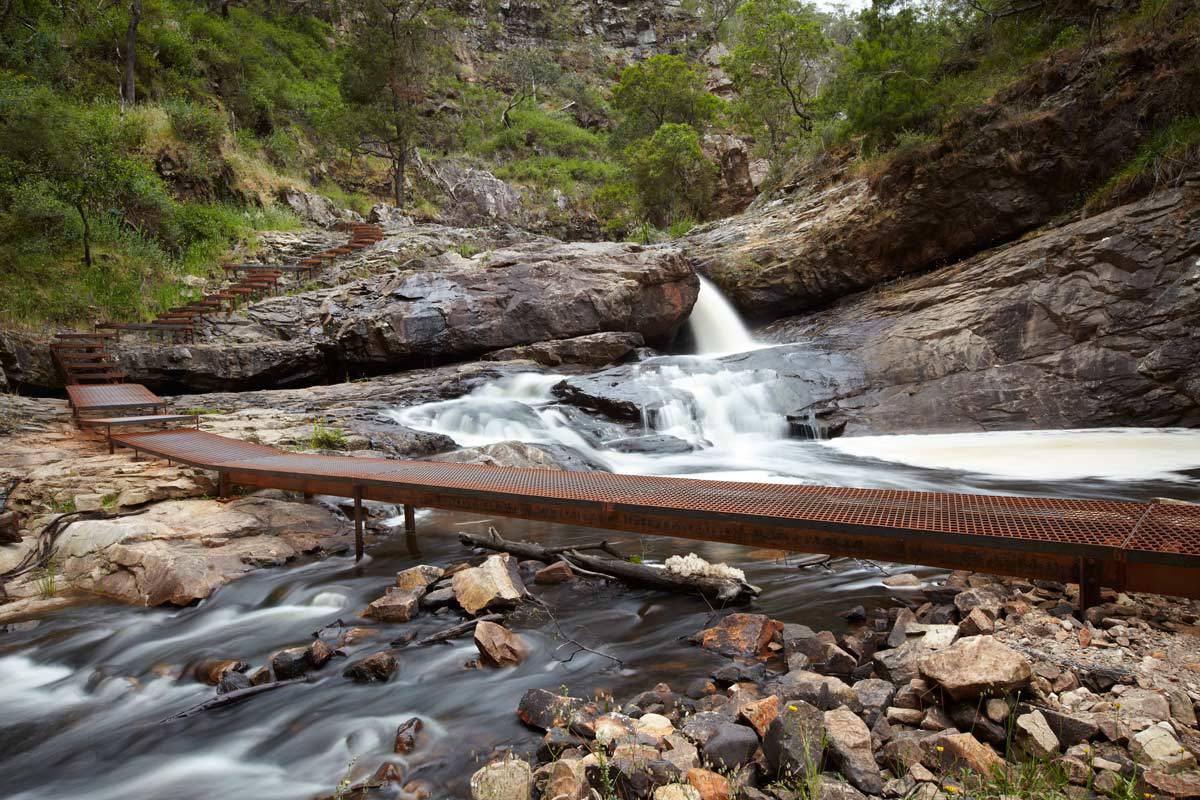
715,323
1108,453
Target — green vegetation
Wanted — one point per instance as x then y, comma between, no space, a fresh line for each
326,437
1163,157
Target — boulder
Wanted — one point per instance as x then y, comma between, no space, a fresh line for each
510,779
419,577
729,746
823,691
494,583
948,753
566,779
292,662
708,784
406,736
849,743
212,670
677,791
233,682
314,208
592,350
319,653
976,623
795,742
375,668
1157,748
742,635
498,646
653,726
478,197
759,714
558,572
1034,738
975,665
544,710
398,605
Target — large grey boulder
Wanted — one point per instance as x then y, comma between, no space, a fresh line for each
975,665
849,742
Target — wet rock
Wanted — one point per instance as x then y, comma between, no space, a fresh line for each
438,598
794,744
498,646
289,663
904,580
742,635
960,751
656,444
729,746
975,665
544,710
1034,737
494,583
760,713
849,743
319,654
398,605
260,676
212,670
558,572
375,668
419,577
1157,748
233,681
522,455
502,780
593,350
406,735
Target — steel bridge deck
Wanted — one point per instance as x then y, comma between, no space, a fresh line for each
1152,547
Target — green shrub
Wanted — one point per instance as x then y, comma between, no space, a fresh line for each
325,437
199,125
1162,157
673,177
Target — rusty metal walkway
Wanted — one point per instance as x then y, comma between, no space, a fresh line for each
1149,547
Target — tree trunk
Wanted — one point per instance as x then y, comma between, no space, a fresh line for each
399,166
128,87
87,235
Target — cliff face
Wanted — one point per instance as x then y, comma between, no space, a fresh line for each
1008,167
1090,324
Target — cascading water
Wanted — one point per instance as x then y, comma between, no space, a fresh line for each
99,680
715,324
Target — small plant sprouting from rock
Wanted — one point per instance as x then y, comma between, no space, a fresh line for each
466,249
46,579
346,784
326,437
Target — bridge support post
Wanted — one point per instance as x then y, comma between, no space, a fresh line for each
358,524
1089,583
223,485
410,519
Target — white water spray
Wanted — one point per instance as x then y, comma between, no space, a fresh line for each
715,324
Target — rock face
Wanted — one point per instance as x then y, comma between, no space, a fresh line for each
181,551
479,197
1078,124
317,209
1099,311
505,298
593,350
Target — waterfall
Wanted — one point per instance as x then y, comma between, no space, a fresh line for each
715,323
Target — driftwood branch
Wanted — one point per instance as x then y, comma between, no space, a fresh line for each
452,632
229,698
640,574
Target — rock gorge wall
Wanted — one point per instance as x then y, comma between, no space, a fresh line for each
1014,164
1090,324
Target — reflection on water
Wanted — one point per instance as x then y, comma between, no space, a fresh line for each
84,693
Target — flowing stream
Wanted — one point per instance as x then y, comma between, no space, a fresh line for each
84,692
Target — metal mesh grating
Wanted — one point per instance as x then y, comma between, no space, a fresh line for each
111,395
1071,522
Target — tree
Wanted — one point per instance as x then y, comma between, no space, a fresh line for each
774,65
886,83
128,85
673,178
527,70
713,15
82,157
660,90
391,63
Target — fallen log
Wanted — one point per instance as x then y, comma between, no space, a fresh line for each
452,632
229,698
641,574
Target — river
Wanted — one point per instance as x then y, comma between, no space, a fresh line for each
83,693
